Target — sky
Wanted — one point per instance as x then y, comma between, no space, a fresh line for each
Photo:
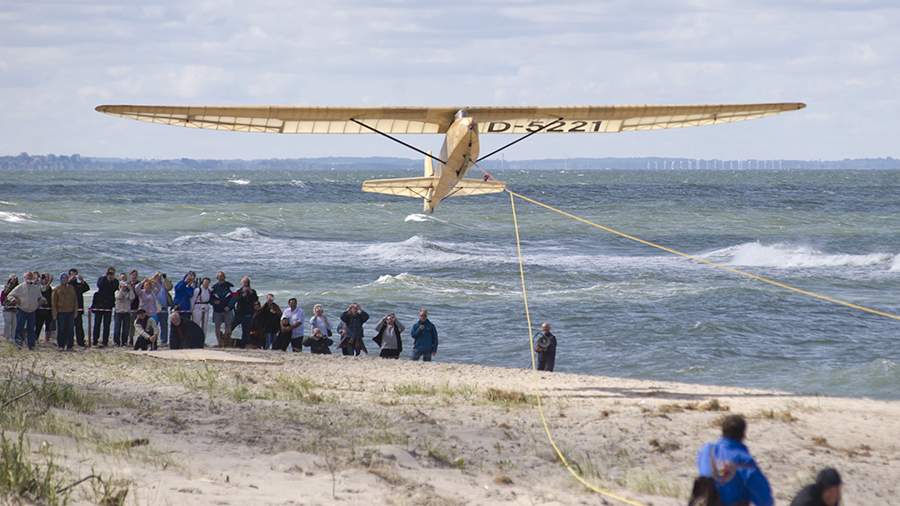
58,60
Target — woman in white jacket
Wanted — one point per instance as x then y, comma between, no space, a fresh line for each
200,304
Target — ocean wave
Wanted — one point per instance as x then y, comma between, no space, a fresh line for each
238,234
5,203
419,218
11,217
447,286
786,256
895,267
241,182
298,183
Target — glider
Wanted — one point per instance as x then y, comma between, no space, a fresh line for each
444,175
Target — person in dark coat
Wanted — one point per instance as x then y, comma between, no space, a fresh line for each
44,317
185,334
425,338
271,322
243,313
826,491
104,302
388,336
285,331
545,347
318,344
354,318
80,287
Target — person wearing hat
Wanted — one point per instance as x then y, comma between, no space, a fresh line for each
545,347
64,305
826,491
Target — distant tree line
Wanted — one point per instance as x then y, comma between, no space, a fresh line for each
52,162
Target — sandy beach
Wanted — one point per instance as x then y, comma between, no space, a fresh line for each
304,429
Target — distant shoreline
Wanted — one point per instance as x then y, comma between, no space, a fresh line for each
24,161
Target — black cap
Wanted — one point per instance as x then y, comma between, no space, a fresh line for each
828,477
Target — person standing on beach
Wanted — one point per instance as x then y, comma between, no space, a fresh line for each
387,336
202,296
124,297
222,301
545,347
27,297
135,282
81,287
739,481
244,308
294,315
64,305
425,338
9,308
354,318
44,318
164,301
184,295
826,491
104,302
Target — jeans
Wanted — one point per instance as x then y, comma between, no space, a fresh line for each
79,327
105,316
162,318
121,330
43,320
25,321
65,330
424,354
9,324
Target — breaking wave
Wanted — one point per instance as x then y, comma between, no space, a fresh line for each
779,255
241,182
15,217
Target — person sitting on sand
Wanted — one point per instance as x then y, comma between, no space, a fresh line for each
318,344
284,336
545,347
146,331
826,491
739,480
354,318
425,338
388,336
185,334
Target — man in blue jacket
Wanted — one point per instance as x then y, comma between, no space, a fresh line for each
425,337
739,480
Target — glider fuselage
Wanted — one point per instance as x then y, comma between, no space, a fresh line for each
460,150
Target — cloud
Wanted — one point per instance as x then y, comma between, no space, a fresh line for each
60,59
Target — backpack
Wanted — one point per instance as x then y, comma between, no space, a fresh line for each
704,492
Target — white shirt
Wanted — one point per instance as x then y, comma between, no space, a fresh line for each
294,317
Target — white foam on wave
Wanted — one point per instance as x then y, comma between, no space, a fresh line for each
786,256
5,203
238,234
895,267
241,182
420,218
298,183
10,217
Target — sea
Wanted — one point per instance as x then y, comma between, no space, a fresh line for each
618,308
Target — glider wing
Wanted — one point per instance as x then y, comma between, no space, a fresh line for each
293,120
616,118
416,187
466,187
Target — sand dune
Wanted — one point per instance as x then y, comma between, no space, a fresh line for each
334,430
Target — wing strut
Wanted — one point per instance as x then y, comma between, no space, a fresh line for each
520,139
391,137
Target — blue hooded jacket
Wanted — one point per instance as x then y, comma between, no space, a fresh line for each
738,478
425,336
184,293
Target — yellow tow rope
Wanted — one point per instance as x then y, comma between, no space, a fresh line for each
701,260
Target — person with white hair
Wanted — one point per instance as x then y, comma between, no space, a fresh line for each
320,321
27,297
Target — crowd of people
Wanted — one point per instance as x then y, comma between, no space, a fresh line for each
146,313
152,312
